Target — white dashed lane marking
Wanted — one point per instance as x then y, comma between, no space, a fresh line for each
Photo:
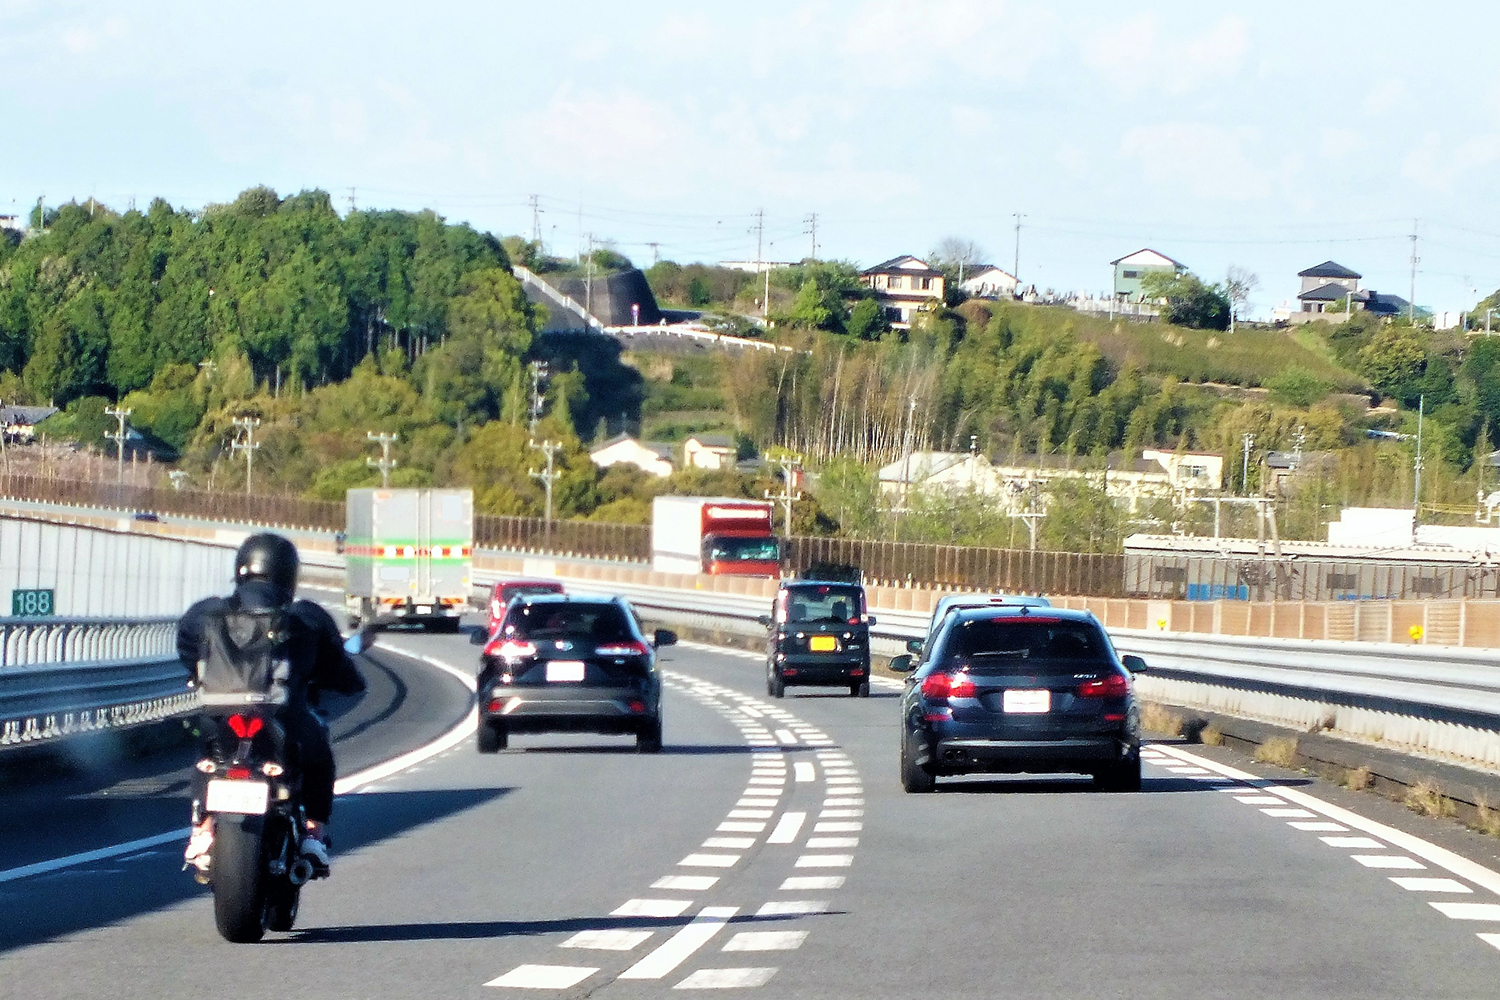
543,977
805,771
766,941
1388,861
787,828
721,979
680,946
1416,884
606,940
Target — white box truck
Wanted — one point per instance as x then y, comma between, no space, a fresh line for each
409,556
721,536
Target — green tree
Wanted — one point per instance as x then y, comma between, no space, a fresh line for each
1189,302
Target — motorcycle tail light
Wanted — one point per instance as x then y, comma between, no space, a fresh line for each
237,773
245,727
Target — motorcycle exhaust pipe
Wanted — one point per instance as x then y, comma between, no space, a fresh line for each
301,871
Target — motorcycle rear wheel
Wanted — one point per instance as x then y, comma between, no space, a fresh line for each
240,879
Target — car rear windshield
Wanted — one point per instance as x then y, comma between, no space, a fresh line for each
574,620
1008,645
513,590
822,603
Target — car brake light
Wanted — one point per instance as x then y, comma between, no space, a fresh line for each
961,687
1114,717
245,728
496,705
510,649
936,687
495,609
631,648
237,773
1113,686
636,705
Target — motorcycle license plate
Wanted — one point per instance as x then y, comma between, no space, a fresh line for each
1020,701
822,644
248,798
564,670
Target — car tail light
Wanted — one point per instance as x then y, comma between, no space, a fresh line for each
496,704
244,727
1113,686
962,687
1114,716
636,705
630,648
237,773
857,672
788,671
495,609
936,687
510,649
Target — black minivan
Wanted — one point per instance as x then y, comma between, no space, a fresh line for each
818,634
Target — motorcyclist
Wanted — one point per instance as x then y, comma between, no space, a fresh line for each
265,570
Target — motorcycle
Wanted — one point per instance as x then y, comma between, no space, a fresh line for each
253,795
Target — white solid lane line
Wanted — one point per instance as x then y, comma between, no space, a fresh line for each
787,828
87,857
543,977
680,946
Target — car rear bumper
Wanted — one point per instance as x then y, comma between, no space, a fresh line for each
964,754
836,668
602,710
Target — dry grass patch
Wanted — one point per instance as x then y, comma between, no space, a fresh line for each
1358,780
1486,818
1278,750
1158,719
1211,735
1427,799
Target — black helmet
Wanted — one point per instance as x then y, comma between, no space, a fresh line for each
267,557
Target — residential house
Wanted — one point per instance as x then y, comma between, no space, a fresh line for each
1130,269
756,266
709,451
902,286
16,223
1330,292
622,448
1155,475
986,281
18,423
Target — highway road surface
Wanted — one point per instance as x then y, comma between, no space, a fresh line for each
768,851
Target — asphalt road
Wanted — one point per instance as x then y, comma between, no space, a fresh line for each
769,850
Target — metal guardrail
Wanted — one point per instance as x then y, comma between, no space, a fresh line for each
66,676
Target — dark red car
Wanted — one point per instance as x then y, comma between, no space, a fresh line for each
508,590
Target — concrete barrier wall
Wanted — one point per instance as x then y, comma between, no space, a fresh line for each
95,572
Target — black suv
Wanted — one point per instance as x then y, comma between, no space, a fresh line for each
559,663
1004,689
819,634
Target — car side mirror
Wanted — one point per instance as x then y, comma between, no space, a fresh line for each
765,621
914,645
1134,663
478,635
902,664
664,637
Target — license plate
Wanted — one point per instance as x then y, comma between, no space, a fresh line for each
1022,701
822,644
424,609
564,670
248,798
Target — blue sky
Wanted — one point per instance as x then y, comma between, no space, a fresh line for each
1271,137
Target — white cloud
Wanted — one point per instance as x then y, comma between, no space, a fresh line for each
1137,55
970,121
1337,143
1437,163
80,39
1209,161
1385,96
903,42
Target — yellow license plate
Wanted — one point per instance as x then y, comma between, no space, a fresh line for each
822,644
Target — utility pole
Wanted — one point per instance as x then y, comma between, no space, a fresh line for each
812,228
352,205
118,437
588,286
1016,273
655,253
386,463
1416,486
760,237
789,464
1249,442
536,219
1299,439
538,378
911,411
1411,305
550,448
246,443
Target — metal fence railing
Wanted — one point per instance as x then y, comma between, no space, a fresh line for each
31,641
1099,574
